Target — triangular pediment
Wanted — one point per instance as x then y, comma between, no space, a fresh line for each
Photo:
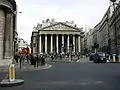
60,26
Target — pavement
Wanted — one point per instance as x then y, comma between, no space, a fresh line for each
3,72
2,75
25,67
74,59
72,76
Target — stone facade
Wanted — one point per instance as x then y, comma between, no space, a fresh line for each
55,38
88,41
100,34
112,7
104,32
7,29
115,24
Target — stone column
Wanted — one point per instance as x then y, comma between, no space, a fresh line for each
63,40
45,43
8,45
11,38
68,43
51,43
62,43
79,47
74,43
57,43
40,37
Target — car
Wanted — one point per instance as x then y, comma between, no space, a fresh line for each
100,57
91,56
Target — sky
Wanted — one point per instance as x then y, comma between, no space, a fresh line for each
85,13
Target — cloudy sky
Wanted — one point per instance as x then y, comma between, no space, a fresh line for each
85,13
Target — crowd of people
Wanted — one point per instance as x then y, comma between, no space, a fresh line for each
26,57
35,60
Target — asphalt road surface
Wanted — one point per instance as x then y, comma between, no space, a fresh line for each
71,76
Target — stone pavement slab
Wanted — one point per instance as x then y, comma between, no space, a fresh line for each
2,75
3,72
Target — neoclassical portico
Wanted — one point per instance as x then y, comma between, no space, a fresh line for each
57,38
57,42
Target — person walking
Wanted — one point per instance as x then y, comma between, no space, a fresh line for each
42,60
60,56
16,58
52,57
21,60
37,60
116,58
111,58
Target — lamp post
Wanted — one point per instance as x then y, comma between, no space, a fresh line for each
81,37
37,42
116,47
15,34
70,56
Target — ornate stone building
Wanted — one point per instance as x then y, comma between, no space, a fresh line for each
55,37
107,32
7,30
115,30
101,34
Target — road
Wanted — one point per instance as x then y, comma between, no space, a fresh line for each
71,76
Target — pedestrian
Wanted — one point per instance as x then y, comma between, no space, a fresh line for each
27,57
37,60
21,60
78,56
116,58
60,57
42,60
111,58
16,58
52,57
32,59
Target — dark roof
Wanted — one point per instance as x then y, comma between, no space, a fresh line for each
62,24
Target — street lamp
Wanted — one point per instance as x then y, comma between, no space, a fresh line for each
81,36
116,51
15,34
37,42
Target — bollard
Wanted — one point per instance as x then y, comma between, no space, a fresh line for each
12,73
11,81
